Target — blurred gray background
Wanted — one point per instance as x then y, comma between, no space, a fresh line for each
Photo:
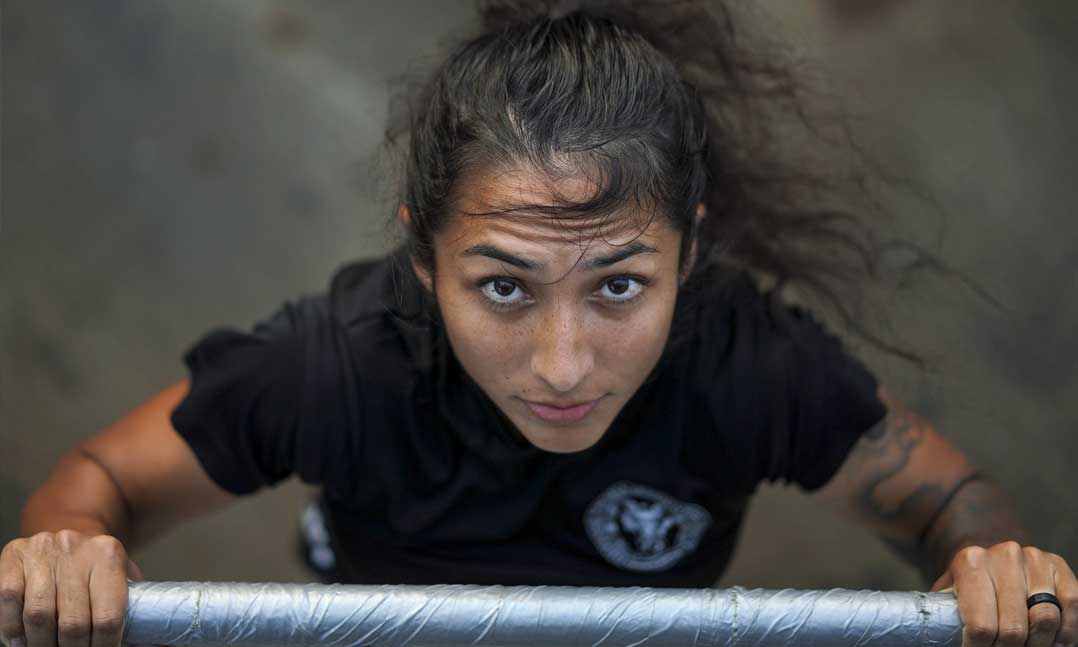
173,165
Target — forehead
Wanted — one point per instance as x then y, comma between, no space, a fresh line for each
519,207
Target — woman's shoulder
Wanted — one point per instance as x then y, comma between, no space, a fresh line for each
355,294
361,318
710,305
366,289
381,312
734,317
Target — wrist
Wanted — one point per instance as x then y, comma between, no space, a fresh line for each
45,518
78,496
979,514
85,525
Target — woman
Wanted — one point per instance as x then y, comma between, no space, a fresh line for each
567,376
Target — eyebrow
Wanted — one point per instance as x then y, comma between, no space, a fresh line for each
592,264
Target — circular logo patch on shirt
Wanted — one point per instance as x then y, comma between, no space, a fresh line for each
639,528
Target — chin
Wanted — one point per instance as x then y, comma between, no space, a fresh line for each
562,441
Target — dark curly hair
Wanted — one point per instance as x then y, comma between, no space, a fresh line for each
664,104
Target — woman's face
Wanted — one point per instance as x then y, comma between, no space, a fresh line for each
558,321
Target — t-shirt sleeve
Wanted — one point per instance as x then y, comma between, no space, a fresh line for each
262,404
800,400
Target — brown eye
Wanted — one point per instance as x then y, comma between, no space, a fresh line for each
504,288
503,292
618,286
621,290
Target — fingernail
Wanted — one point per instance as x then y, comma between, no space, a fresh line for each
18,642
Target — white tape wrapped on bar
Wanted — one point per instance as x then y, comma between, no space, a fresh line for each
184,613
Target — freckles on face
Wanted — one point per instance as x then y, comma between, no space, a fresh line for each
559,322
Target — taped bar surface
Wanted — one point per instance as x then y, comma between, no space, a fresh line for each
192,613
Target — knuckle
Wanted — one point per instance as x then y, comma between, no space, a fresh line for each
73,630
68,540
109,546
37,617
1032,552
109,624
1069,604
42,541
972,556
1067,636
10,596
1012,634
1009,548
981,633
1043,619
15,547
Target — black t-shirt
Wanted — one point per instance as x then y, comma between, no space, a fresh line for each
357,391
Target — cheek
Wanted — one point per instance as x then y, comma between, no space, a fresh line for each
486,346
631,347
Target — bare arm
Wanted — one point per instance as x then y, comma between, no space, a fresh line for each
919,493
65,582
134,480
921,496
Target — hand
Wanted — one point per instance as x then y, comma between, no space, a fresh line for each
992,585
64,589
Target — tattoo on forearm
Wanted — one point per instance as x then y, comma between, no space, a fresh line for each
891,443
947,515
979,514
943,505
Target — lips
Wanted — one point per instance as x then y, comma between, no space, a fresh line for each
562,414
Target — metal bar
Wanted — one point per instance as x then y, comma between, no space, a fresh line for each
194,613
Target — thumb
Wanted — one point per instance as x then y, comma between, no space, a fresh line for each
945,583
134,573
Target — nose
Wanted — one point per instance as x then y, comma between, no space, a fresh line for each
562,356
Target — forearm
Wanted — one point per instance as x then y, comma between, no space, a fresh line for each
978,513
920,493
79,495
